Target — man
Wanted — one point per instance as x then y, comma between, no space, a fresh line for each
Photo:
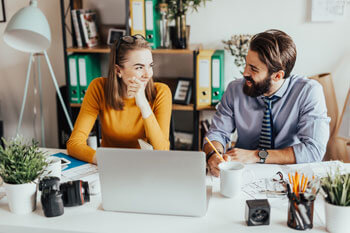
280,118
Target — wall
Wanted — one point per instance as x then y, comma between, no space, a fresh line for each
13,69
322,47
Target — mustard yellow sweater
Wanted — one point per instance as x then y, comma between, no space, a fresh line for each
120,128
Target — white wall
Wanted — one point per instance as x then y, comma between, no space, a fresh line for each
322,47
13,68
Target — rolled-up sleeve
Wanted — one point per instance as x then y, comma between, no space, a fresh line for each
313,127
223,123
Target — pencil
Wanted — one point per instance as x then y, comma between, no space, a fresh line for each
290,180
302,183
212,146
305,185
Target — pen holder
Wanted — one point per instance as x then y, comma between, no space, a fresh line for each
300,213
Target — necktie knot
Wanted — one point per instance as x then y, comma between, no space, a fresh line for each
269,100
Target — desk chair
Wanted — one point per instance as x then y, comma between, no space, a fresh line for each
336,147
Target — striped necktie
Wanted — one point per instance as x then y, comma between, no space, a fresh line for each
266,140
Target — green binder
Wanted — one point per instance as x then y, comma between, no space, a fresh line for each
218,79
89,68
152,15
73,86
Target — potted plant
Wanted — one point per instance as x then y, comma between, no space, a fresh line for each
177,10
21,164
336,187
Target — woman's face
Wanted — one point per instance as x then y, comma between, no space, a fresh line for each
139,65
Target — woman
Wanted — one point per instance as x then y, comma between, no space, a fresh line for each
130,105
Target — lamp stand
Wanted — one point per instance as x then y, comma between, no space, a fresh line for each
31,57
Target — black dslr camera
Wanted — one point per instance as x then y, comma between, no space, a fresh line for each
51,197
54,196
75,192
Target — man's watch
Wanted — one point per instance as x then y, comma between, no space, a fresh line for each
262,155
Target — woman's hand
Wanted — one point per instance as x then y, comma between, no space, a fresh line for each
136,88
133,87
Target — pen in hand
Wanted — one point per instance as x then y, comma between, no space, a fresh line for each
212,146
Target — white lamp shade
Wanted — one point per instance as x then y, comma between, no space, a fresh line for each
28,30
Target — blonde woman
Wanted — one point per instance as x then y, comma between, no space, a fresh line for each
130,105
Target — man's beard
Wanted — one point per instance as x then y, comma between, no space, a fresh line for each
257,88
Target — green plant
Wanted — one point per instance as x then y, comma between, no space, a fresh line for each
174,7
21,162
238,45
337,188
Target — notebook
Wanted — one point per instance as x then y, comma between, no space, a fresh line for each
154,182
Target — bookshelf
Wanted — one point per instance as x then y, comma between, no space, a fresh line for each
193,51
106,49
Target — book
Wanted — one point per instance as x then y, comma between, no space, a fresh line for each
76,28
89,25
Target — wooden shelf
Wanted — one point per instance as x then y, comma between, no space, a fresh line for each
97,49
177,107
106,49
75,105
209,108
183,107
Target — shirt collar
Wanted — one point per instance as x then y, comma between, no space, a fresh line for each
280,92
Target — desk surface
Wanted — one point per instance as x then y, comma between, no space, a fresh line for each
223,215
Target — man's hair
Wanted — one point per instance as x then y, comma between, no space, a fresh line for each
276,50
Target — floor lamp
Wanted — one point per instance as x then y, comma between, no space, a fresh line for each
29,31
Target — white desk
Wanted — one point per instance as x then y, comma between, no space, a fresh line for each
223,215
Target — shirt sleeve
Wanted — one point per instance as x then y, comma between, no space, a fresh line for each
77,145
157,124
223,123
313,127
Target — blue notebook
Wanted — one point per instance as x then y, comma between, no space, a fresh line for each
73,161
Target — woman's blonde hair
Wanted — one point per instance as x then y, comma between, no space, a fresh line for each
113,88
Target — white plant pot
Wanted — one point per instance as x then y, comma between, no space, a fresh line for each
337,218
21,197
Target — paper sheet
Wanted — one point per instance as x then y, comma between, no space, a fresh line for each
328,10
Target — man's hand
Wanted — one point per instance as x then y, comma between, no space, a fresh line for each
213,164
242,155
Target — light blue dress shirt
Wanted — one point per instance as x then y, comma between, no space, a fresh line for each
299,118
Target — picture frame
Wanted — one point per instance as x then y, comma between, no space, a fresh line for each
2,11
183,91
114,34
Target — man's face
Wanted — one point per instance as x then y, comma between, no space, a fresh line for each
258,80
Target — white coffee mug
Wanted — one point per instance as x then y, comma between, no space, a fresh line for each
230,178
54,167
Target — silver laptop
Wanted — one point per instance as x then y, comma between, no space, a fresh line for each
156,182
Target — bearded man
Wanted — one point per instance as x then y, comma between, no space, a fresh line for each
280,118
